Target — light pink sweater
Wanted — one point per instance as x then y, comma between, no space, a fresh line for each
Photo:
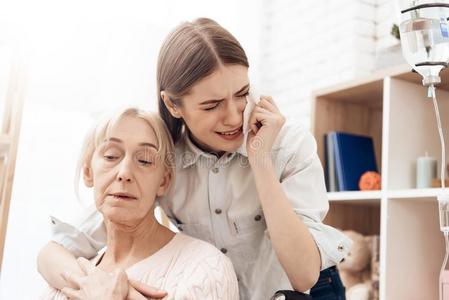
186,268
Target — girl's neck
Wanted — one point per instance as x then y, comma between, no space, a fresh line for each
204,147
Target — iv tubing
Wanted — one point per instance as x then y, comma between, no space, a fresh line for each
440,130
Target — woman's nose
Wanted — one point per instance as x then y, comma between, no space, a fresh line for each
125,171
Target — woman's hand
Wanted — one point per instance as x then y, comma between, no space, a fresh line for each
265,123
98,284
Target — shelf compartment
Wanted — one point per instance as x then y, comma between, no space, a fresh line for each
415,249
364,219
412,131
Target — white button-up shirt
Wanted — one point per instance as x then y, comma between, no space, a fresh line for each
215,199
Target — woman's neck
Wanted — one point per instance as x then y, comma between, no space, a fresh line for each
128,244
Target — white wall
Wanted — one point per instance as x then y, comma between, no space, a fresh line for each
84,57
308,45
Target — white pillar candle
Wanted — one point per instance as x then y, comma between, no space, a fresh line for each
426,170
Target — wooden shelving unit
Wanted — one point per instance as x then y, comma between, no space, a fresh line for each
11,102
391,106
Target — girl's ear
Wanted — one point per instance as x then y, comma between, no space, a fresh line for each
165,183
172,108
88,176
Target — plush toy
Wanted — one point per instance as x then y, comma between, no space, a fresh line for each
355,271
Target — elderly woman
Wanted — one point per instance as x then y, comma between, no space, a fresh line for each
126,160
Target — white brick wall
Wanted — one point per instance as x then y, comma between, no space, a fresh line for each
308,45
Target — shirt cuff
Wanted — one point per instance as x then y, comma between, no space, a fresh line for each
75,241
333,245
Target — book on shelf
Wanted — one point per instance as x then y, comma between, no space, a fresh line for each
348,156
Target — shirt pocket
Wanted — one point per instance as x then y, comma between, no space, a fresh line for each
248,224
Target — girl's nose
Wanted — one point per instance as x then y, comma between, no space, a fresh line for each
234,114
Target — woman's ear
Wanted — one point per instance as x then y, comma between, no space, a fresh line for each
165,183
88,176
172,108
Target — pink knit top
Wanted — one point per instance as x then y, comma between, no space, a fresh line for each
187,268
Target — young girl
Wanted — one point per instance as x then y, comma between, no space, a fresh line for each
125,162
259,196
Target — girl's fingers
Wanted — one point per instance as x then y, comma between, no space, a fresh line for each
71,293
269,105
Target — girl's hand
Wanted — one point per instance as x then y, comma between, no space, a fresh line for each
265,123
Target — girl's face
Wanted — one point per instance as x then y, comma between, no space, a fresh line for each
213,110
125,172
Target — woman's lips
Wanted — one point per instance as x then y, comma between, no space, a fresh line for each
123,196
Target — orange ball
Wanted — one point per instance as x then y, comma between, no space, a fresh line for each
370,181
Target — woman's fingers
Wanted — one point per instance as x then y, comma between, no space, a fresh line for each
86,266
72,279
147,290
72,293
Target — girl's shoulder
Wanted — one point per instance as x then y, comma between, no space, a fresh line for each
294,139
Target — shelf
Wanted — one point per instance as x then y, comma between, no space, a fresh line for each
4,144
418,194
356,197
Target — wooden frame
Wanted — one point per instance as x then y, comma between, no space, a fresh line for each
9,139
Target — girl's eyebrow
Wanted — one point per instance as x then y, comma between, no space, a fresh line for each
116,140
219,100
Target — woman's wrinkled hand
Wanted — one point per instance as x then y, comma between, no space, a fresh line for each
98,284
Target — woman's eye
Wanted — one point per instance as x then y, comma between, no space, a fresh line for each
145,162
110,157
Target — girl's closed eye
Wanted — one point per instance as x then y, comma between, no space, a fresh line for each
211,108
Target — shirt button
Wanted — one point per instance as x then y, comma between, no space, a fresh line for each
258,217
215,170
218,211
341,248
224,250
53,222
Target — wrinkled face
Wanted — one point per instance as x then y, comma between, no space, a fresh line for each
213,110
125,172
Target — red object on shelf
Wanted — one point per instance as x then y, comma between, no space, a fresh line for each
370,181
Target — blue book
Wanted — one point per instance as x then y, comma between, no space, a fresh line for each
354,155
331,174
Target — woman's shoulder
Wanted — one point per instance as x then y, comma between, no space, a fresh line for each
206,272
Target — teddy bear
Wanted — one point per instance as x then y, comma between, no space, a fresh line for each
355,269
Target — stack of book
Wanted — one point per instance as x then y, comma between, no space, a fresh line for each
348,156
